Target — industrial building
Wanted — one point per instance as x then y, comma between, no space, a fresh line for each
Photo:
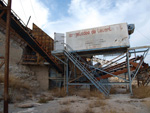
71,62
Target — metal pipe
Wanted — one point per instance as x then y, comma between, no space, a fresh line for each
28,21
67,72
113,59
59,59
140,65
108,73
106,83
2,14
7,46
129,74
139,51
113,62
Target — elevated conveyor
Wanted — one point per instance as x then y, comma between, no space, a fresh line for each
21,29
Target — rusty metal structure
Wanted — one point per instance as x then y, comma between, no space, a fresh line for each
26,38
80,72
36,43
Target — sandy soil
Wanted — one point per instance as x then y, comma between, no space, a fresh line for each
117,103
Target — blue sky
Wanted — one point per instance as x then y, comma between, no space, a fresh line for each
68,15
58,8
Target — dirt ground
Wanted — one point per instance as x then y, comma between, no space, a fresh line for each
116,103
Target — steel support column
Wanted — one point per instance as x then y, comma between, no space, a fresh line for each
67,73
7,44
129,74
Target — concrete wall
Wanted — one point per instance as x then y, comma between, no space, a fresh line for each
15,50
42,74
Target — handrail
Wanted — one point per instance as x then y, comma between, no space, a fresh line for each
92,68
89,75
82,65
15,14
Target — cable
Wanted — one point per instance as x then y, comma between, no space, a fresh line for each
23,10
33,11
143,35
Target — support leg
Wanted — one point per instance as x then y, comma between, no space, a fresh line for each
67,72
129,74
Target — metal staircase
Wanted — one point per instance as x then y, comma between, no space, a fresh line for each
80,64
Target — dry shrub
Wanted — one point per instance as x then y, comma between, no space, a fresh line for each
42,100
15,82
72,101
89,94
141,92
16,96
113,111
45,99
59,92
18,89
50,98
89,110
97,94
113,90
84,94
66,102
66,110
110,111
97,103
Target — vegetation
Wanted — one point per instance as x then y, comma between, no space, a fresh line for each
59,92
66,110
89,110
66,102
15,82
97,103
141,92
42,100
89,94
18,90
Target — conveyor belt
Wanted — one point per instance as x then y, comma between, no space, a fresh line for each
20,29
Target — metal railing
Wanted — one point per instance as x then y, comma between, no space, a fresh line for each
15,14
78,62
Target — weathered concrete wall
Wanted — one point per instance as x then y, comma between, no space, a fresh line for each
42,74
15,50
36,75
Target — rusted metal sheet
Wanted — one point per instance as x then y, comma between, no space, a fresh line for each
43,39
99,37
115,73
25,33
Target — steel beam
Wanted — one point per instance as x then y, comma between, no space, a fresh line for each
140,64
107,83
2,14
129,74
7,46
67,73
